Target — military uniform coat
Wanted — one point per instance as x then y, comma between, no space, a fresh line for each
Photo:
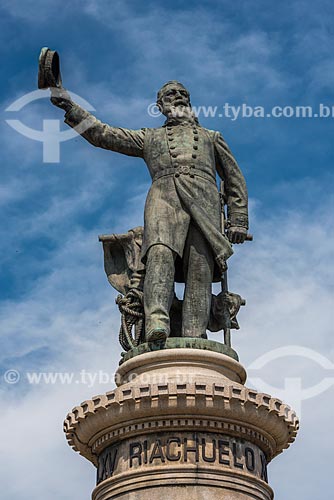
183,160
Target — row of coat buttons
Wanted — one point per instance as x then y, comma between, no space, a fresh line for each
172,147
175,155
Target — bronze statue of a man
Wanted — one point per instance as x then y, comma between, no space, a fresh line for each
182,220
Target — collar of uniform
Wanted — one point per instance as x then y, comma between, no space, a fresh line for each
172,122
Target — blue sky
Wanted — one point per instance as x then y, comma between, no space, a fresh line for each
57,310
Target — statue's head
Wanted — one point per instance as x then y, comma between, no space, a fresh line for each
172,98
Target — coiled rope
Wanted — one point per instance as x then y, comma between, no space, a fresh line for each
132,317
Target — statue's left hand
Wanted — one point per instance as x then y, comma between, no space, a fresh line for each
236,234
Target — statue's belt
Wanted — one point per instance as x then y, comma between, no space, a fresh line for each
184,170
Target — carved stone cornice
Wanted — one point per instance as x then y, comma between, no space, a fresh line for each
223,406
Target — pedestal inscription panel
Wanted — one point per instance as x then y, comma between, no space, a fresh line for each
167,449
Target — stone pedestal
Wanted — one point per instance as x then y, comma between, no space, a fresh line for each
181,424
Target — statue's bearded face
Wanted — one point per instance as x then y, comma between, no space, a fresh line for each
174,99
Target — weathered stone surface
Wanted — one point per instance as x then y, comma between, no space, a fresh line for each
198,461
181,418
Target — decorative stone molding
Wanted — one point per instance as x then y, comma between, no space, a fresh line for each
121,413
172,398
180,365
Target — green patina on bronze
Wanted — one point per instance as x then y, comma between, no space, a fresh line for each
184,238
182,343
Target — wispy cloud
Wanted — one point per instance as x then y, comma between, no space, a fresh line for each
282,275
171,49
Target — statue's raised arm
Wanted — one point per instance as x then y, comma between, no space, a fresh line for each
102,135
120,140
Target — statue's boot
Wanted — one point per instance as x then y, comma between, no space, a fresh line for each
157,336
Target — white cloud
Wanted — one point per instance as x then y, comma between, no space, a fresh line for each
284,277
181,48
16,189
